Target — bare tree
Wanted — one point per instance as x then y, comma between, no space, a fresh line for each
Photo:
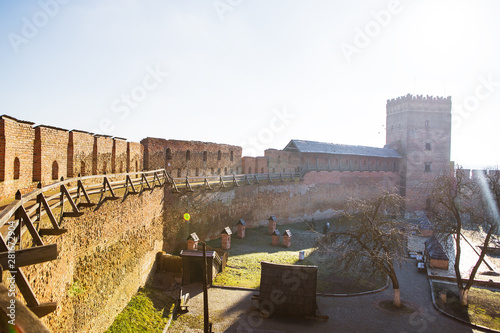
461,203
370,233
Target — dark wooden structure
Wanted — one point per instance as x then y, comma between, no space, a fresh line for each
435,254
296,286
192,266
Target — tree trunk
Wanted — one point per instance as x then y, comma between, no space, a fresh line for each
464,297
395,286
397,298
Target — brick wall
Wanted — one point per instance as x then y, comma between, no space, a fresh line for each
191,158
44,153
16,156
105,256
50,154
420,129
102,156
318,196
119,158
282,161
248,164
135,152
80,153
261,164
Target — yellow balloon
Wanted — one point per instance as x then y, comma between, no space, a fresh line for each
187,216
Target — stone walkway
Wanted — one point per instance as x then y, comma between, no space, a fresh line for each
230,311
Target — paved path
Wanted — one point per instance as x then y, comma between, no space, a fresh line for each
230,311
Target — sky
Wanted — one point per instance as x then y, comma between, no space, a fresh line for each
253,73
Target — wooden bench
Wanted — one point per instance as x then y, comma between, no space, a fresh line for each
184,301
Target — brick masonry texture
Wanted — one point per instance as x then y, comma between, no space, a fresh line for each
43,153
50,155
105,256
16,142
80,153
211,211
191,158
109,252
119,158
419,128
103,153
135,153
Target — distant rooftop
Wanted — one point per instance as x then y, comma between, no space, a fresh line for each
304,146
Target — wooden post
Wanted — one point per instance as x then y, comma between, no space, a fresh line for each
206,319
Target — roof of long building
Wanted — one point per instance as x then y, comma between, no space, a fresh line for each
305,146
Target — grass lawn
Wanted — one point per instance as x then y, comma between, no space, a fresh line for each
148,311
245,256
483,309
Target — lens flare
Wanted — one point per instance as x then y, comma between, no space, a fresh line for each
187,217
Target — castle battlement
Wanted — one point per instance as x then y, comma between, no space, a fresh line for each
419,103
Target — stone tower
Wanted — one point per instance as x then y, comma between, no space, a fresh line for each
419,128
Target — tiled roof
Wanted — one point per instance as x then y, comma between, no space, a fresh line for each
434,249
424,222
304,146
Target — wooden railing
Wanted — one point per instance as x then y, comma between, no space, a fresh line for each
22,227
22,223
209,182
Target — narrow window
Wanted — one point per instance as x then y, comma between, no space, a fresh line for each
219,155
225,171
279,159
274,170
82,168
218,171
105,167
249,170
55,170
427,167
428,146
231,156
188,155
197,172
211,171
179,172
17,168
205,156
262,170
168,154
426,124
136,166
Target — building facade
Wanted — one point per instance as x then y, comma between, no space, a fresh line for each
419,128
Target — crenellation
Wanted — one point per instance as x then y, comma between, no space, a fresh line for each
50,154
191,158
102,154
419,102
44,153
119,155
